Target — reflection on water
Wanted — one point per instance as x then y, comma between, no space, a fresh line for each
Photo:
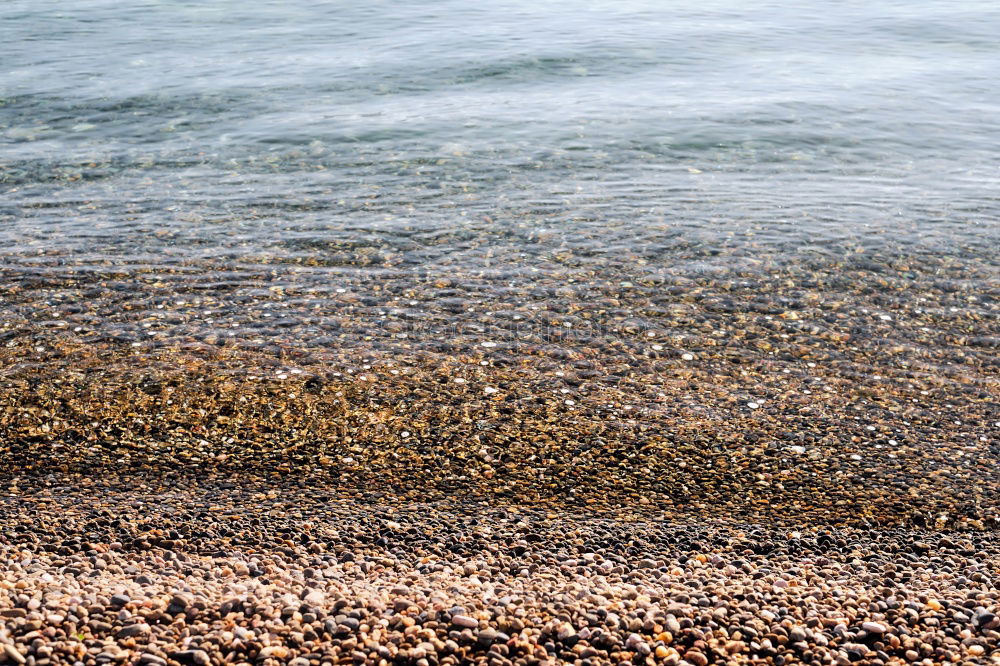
369,169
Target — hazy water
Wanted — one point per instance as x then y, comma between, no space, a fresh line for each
234,146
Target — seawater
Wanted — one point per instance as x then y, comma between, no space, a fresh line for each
231,149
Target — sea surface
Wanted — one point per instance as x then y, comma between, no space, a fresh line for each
490,152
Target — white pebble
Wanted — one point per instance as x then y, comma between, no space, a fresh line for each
687,357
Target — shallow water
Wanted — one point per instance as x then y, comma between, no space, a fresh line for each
416,163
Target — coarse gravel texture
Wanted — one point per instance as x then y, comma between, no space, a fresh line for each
780,465
296,575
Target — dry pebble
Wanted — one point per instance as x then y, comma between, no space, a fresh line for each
464,621
296,574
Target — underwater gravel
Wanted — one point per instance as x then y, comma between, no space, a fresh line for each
786,440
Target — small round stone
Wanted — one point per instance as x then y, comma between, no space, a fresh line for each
464,621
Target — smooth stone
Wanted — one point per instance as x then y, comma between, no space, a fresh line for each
272,652
13,654
464,621
696,658
133,630
197,657
487,637
874,627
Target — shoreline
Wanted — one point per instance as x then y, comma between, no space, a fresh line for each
695,437
779,474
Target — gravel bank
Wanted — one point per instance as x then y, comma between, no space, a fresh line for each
199,575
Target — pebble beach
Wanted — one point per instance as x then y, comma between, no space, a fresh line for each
418,334
713,503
